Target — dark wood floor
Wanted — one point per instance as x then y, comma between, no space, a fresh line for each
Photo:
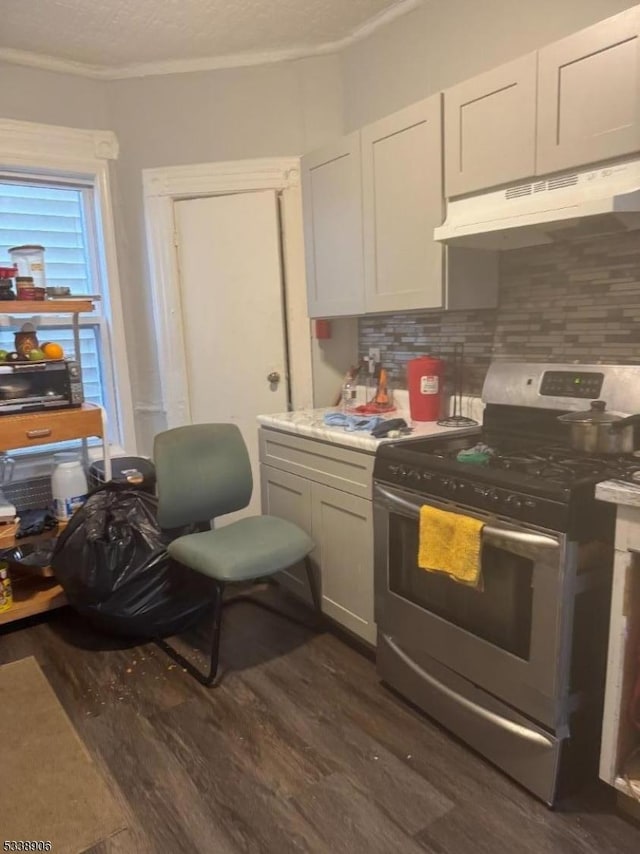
299,749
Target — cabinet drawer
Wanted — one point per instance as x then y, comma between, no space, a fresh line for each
350,471
24,431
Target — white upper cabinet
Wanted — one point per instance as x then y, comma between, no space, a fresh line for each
589,95
490,128
332,202
371,203
402,204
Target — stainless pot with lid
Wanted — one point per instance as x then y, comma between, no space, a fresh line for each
596,431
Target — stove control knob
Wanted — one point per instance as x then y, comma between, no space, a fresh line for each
414,474
530,504
453,485
514,501
492,495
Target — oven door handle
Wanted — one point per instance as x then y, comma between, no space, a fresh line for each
491,535
493,718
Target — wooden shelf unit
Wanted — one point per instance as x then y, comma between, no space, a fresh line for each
32,596
29,429
51,306
35,593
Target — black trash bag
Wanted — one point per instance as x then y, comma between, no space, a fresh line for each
113,565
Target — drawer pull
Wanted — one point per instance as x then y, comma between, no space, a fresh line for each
39,434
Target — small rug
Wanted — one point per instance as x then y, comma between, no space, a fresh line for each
51,790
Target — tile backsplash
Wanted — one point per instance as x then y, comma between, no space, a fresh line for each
568,301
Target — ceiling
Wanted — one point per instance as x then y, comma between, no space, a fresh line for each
121,38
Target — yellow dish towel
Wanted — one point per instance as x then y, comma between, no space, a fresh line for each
450,543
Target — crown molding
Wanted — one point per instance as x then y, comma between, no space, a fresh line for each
210,63
44,62
196,179
29,139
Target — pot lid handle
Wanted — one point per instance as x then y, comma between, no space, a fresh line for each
596,414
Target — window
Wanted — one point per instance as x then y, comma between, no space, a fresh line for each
60,218
55,190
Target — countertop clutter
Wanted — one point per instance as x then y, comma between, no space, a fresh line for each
310,423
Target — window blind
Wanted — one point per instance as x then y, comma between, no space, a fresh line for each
54,218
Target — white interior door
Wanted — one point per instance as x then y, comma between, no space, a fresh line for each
232,312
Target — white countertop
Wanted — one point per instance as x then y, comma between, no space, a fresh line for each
309,422
618,492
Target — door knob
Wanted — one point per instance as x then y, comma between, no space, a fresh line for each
273,377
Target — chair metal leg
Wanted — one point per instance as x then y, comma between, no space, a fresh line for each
313,586
206,679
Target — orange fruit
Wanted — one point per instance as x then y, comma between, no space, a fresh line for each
52,350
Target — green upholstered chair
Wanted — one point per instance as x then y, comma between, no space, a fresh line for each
203,471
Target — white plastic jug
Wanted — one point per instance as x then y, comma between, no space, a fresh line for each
69,488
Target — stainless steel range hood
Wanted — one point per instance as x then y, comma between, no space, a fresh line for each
585,203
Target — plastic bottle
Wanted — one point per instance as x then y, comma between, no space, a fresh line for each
69,488
349,393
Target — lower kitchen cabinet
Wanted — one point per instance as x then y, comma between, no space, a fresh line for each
340,523
342,527
288,496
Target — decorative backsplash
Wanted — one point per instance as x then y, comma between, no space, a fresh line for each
569,301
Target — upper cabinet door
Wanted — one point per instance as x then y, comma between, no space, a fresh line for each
589,95
490,128
332,202
403,203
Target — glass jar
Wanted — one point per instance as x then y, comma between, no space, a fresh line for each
30,262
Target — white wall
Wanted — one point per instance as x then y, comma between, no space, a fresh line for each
446,41
31,95
274,110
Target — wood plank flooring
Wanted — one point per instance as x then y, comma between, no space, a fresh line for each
300,749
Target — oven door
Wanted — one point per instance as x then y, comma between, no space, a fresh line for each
507,638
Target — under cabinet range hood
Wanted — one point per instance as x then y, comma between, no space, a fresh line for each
564,206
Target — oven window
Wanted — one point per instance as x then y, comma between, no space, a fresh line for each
500,613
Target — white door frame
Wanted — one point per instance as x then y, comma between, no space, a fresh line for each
163,187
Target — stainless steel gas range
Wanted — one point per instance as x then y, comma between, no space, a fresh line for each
516,669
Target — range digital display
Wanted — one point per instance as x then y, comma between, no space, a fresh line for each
586,384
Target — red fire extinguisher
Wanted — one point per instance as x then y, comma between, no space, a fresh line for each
424,380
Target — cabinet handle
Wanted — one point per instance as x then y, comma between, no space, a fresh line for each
39,434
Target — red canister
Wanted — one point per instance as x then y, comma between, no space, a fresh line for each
424,380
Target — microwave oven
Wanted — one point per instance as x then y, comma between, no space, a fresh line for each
37,386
